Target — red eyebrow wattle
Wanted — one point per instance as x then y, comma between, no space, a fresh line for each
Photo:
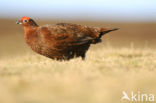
25,18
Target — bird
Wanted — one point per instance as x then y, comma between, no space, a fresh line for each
61,41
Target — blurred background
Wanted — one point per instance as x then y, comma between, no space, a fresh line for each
135,18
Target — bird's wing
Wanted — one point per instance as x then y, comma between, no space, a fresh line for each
79,30
72,33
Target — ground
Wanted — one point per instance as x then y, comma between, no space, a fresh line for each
101,78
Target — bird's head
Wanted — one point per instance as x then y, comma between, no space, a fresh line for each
26,21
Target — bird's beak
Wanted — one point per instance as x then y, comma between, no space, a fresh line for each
18,22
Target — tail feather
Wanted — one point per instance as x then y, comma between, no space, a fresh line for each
102,32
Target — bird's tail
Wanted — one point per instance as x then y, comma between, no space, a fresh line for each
103,31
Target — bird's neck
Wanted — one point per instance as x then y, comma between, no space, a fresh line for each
31,34
28,29
32,38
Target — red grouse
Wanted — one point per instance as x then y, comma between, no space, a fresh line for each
62,41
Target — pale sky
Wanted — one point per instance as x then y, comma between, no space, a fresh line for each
113,10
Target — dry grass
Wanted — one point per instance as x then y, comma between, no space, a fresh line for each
31,78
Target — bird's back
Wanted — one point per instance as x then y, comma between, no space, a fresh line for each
75,34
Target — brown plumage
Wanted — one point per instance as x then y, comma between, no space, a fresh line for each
61,41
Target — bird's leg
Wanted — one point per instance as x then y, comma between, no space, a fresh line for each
83,56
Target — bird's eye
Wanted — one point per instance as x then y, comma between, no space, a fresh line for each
25,21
